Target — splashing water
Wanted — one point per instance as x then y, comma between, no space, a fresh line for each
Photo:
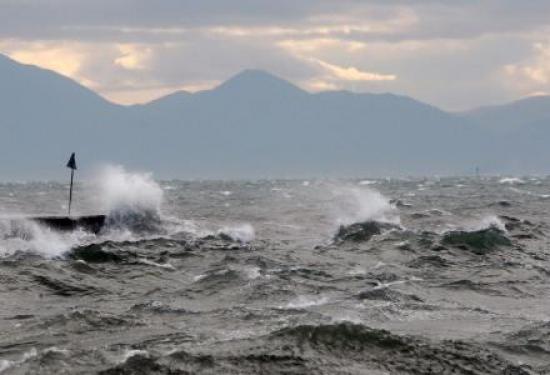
243,233
28,236
132,200
354,204
486,222
511,180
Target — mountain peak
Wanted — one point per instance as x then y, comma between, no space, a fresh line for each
258,81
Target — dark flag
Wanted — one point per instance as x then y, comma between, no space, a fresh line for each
72,162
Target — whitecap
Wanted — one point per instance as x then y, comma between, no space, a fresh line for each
511,180
160,265
486,222
355,205
242,233
7,364
306,301
252,272
130,353
367,182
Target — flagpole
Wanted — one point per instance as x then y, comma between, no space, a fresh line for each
71,191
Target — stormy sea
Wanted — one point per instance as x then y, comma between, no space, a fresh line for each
377,276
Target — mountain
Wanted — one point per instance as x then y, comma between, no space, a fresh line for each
513,116
257,124
520,131
253,125
44,115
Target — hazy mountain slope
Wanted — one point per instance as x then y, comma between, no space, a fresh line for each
257,122
45,116
520,131
512,116
253,125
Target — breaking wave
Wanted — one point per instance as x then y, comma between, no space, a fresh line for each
355,205
132,202
23,235
241,233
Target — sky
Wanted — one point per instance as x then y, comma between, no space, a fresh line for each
455,54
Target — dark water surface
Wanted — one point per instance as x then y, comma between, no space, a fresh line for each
435,276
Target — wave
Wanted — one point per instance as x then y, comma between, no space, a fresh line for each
342,336
243,233
370,350
132,202
511,180
158,307
66,287
362,232
478,241
352,204
307,301
384,293
521,228
85,320
23,235
534,337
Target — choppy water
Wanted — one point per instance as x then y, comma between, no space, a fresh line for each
442,276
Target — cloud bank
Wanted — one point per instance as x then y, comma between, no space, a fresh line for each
457,54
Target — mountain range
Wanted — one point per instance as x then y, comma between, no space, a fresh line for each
257,125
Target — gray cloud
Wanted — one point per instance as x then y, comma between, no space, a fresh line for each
455,54
436,19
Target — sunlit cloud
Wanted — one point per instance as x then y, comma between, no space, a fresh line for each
303,46
538,93
451,54
316,85
133,56
321,27
366,20
143,95
353,74
532,75
62,58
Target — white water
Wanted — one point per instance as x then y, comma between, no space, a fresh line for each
306,301
487,222
354,204
511,180
28,236
123,191
128,198
242,232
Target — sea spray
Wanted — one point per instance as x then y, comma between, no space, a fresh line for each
132,200
242,233
486,222
474,224
23,235
353,204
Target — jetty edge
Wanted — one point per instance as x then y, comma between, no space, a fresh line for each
93,223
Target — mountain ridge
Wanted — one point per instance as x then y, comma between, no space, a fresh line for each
253,125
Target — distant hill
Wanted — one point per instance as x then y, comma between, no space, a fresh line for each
520,131
253,125
511,117
43,115
259,125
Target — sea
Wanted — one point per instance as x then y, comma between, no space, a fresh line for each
439,275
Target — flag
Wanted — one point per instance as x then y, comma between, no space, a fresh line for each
72,162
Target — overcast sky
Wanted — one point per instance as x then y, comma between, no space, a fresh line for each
455,54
